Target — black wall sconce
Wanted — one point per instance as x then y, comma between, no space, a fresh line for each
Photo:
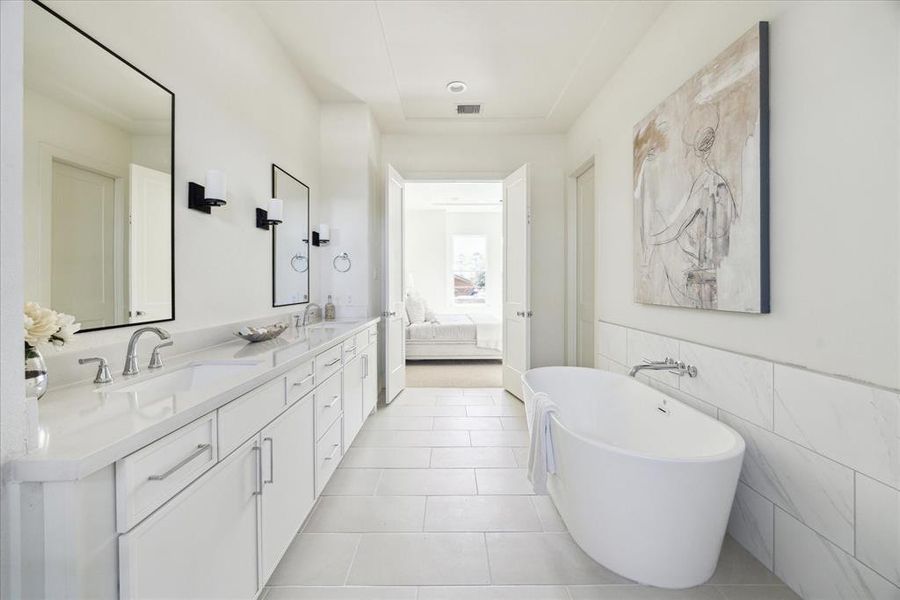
272,216
204,198
322,236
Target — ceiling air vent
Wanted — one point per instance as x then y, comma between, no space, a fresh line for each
468,109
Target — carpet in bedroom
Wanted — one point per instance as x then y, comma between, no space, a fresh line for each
454,373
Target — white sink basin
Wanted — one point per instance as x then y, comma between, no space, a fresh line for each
189,378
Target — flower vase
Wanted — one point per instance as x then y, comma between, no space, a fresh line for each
36,378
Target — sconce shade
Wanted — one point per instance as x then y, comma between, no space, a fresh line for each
215,188
276,210
324,233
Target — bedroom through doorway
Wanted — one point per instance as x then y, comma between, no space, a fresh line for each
453,278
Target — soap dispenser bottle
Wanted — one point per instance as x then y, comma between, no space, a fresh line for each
329,309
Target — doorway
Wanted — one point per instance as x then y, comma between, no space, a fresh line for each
457,282
581,267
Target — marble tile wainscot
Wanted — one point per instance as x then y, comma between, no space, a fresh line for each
818,501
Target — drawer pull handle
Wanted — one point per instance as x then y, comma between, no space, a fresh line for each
305,379
200,450
351,349
334,400
334,362
271,478
335,448
259,477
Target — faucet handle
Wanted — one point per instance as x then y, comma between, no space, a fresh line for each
155,360
103,375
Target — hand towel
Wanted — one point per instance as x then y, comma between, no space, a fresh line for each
541,458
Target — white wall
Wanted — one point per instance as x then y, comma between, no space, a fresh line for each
834,188
493,157
12,385
428,256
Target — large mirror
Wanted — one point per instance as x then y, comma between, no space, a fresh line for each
290,241
98,141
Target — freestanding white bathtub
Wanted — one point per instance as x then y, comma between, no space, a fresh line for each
644,482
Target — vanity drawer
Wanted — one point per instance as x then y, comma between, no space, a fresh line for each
243,417
328,455
372,334
328,362
328,404
353,346
300,381
148,478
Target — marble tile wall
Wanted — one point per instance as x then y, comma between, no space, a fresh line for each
818,500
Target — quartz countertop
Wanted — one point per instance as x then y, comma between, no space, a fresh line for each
85,427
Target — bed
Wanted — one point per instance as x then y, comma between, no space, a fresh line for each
455,337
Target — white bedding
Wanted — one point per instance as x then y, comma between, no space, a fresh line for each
482,330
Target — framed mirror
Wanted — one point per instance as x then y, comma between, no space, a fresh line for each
98,191
290,241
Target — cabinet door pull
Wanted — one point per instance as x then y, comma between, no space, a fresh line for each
259,477
335,447
334,400
334,362
271,478
305,379
200,450
365,366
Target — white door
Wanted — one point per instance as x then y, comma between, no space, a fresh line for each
83,277
203,542
395,336
289,480
151,245
516,291
584,259
353,399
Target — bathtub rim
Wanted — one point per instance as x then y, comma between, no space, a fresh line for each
737,449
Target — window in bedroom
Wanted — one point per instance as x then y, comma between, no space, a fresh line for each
469,270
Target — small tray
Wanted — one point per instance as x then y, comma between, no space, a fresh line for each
261,334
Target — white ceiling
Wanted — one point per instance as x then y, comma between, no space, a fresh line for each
534,65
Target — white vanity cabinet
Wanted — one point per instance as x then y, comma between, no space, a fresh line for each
353,399
370,379
203,542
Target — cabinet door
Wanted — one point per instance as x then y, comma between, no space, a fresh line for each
289,487
370,380
353,391
203,542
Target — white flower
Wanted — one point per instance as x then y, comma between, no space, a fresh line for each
40,324
67,328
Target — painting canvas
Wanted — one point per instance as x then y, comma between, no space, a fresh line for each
701,187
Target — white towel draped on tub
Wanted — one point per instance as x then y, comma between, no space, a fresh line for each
541,460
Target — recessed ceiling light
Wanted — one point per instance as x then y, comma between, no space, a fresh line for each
457,87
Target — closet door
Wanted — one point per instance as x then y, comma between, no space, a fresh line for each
289,487
203,542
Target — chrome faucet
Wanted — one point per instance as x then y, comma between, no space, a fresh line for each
304,321
131,367
669,364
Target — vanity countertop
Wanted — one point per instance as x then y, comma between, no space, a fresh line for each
82,428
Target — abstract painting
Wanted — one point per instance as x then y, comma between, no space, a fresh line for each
701,189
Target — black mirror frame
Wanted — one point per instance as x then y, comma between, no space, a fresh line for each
172,163
275,169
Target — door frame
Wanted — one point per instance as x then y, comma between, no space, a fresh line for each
571,304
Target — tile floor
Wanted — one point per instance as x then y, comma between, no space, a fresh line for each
432,503
454,373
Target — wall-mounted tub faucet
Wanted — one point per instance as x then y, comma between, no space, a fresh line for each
669,364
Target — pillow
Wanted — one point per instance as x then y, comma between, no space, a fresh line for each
415,308
429,314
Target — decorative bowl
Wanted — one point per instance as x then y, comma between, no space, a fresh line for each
261,334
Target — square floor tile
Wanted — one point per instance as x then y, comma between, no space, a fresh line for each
466,423
341,593
368,438
352,482
427,482
421,559
518,439
514,423
481,513
387,458
548,514
503,481
316,559
639,592
397,423
467,400
543,558
497,592
344,514
426,411
502,410
453,458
